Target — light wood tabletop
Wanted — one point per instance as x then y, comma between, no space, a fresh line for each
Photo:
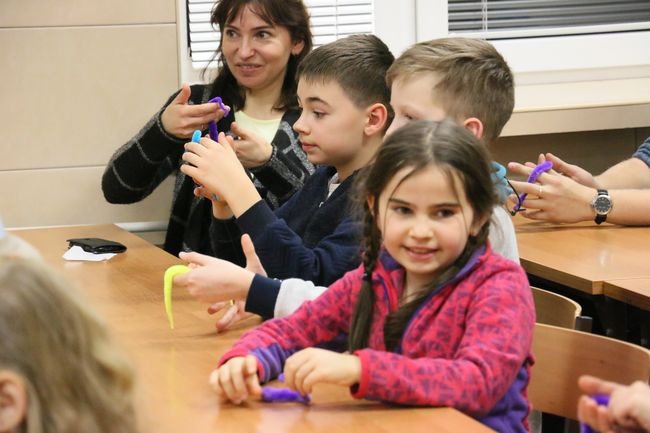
583,256
173,365
632,291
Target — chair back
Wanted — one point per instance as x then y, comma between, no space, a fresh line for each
562,355
555,309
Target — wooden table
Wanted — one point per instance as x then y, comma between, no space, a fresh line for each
173,365
583,256
632,291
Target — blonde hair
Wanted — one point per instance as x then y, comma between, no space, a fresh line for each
11,245
76,380
473,79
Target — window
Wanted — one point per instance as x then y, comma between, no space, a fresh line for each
579,64
552,40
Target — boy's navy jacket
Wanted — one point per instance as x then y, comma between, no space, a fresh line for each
311,236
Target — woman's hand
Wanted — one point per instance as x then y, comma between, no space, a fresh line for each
236,379
181,119
553,197
579,174
306,368
252,150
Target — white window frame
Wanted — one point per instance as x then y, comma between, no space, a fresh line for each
556,58
567,83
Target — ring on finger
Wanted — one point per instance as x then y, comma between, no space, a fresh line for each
539,193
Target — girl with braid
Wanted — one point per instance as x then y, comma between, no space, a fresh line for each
434,317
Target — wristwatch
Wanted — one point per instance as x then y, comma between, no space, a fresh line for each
602,204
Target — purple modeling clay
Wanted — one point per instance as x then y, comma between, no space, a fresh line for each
212,125
602,400
273,394
537,172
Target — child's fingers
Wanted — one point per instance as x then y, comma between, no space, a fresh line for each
228,318
213,380
191,158
296,369
301,378
593,385
218,306
195,258
231,380
252,381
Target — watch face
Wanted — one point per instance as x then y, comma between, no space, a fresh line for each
602,204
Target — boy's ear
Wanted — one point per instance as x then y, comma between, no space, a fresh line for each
13,401
377,115
475,126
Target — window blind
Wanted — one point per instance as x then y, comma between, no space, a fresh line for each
494,19
330,20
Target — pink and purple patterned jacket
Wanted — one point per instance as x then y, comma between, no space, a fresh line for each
467,346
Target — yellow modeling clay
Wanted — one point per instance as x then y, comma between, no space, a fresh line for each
170,273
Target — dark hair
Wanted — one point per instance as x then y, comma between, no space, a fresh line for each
290,14
358,63
474,80
417,145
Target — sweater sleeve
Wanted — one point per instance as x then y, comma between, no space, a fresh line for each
225,239
494,348
288,168
137,168
643,152
284,254
315,322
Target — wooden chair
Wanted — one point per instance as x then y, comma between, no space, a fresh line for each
558,310
563,355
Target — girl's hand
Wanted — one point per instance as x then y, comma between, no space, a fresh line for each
252,150
308,367
236,379
181,119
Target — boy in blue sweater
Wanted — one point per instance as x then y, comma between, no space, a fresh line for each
345,100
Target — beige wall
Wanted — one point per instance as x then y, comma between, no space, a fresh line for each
593,150
79,78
